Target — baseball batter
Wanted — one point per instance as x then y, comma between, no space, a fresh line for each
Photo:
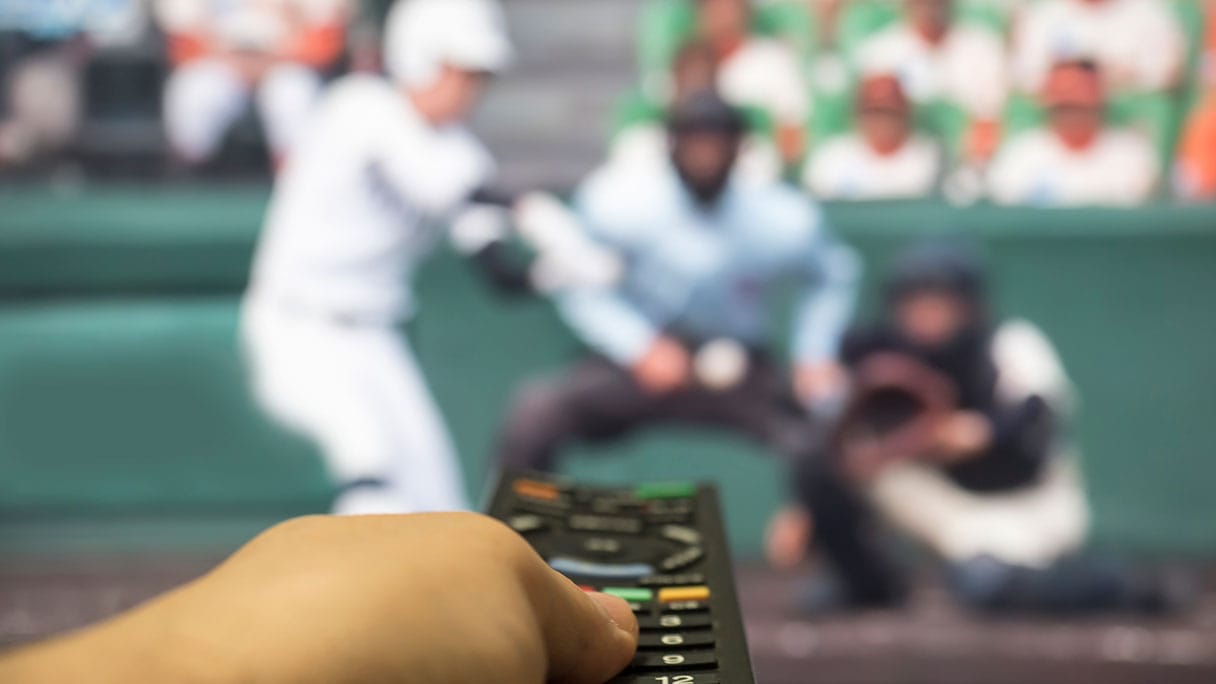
386,164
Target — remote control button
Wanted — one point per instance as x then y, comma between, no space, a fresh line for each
637,594
702,678
670,639
674,661
601,546
686,606
640,608
674,621
615,506
555,509
682,559
524,524
670,594
602,523
666,490
532,489
581,568
686,579
679,533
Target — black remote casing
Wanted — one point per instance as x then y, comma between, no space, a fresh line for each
667,538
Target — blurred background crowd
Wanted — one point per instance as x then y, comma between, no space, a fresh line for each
1044,102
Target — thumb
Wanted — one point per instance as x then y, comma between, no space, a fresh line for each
589,637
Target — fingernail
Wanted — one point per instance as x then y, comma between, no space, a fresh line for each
616,611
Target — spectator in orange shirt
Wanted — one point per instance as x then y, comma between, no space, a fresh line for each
1195,171
228,53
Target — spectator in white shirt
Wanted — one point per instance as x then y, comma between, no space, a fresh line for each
1138,44
941,59
884,158
755,71
1076,159
227,53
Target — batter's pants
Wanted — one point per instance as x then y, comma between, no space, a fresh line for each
356,391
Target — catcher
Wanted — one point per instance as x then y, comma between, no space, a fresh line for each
953,434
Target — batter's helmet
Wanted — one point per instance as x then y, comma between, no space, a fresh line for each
424,35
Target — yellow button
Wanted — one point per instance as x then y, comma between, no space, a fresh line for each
671,594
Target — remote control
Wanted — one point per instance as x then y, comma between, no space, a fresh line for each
662,548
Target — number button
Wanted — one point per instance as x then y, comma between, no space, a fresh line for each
692,660
660,640
704,678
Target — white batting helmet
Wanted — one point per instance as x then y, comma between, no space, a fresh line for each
424,35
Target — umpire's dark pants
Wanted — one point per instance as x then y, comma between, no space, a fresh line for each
598,401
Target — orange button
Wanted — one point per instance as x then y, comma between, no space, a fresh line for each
670,594
532,489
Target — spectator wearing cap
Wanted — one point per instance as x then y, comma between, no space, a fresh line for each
1076,159
941,59
1138,44
644,143
228,52
1195,165
884,158
755,71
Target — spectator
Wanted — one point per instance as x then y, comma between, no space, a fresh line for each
942,60
757,72
644,142
43,97
884,158
1077,159
1138,44
1195,172
225,53
44,48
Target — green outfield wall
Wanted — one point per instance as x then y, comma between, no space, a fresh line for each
122,395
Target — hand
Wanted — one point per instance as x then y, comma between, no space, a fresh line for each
453,598
820,382
665,367
962,435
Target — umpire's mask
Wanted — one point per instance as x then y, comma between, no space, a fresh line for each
704,134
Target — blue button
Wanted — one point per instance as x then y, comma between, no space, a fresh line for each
582,568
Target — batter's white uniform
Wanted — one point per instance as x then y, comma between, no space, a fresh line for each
1119,169
847,168
1137,43
967,69
360,202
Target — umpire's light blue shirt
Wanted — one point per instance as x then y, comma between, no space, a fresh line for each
707,273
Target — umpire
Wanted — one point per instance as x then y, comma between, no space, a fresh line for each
684,337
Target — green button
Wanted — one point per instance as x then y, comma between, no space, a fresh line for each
630,593
666,490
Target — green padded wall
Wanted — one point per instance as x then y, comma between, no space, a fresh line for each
119,395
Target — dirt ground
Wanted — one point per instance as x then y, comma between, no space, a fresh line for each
931,642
